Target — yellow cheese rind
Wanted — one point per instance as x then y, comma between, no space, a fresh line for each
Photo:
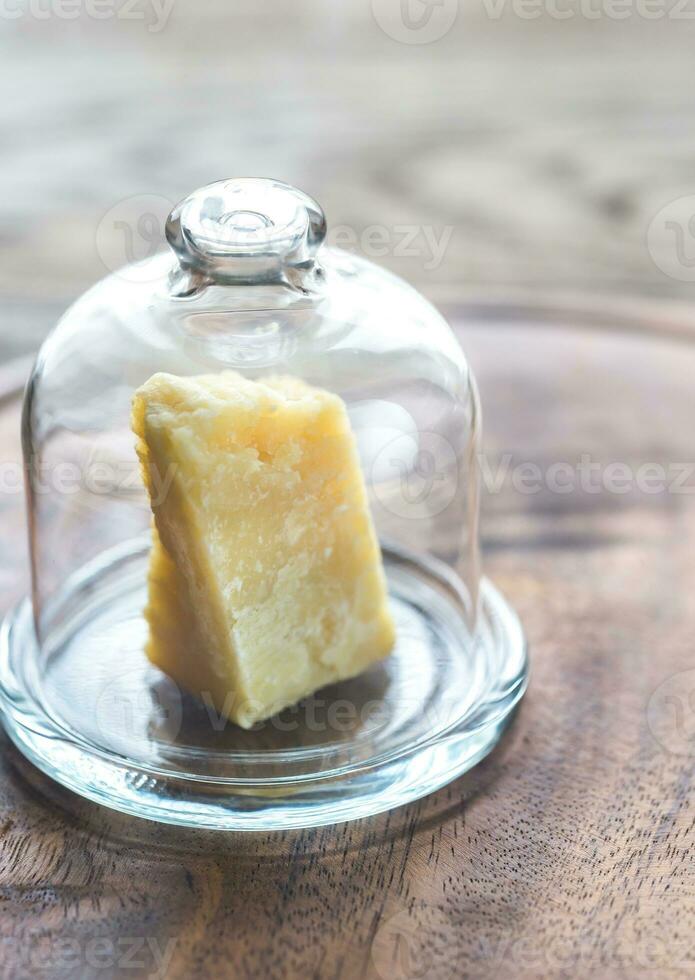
266,581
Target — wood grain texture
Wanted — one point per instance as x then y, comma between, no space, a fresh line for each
568,852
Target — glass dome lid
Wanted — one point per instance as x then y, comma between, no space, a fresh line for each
248,285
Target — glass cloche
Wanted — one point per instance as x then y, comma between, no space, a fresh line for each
248,285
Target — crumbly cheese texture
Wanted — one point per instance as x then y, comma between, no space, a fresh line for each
266,580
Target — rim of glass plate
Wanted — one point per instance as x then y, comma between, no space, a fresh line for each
24,705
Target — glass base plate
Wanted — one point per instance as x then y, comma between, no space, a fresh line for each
93,714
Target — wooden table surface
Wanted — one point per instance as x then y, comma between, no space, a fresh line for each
568,852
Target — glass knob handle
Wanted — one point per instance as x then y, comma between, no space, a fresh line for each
246,230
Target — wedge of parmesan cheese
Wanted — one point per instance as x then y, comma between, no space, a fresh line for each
266,580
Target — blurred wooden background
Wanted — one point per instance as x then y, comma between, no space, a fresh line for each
545,146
